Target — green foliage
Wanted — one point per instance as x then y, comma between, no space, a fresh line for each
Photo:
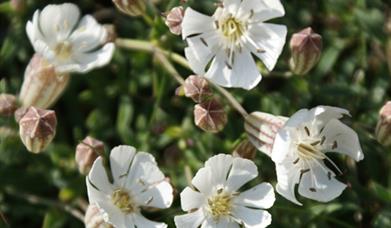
132,101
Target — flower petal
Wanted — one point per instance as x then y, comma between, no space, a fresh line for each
252,218
263,9
224,222
113,215
282,145
203,180
242,171
157,196
270,39
88,35
260,196
141,221
190,220
326,187
59,20
120,159
287,177
195,23
200,51
98,177
342,139
85,62
219,166
191,199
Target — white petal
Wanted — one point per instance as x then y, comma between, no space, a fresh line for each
252,218
203,181
95,195
260,196
98,177
191,199
287,177
190,220
57,21
85,62
282,146
221,223
200,51
195,23
243,73
341,138
113,215
327,188
157,196
120,159
232,6
268,37
301,116
88,35
263,9
141,221
243,170
219,166
323,114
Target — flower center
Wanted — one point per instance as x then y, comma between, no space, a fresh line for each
63,50
220,204
123,201
309,151
232,29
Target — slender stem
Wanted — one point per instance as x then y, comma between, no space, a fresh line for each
37,200
162,55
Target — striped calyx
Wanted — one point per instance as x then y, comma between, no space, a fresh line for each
37,128
42,85
383,128
131,7
306,49
261,129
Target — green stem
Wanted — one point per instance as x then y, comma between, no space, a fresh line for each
163,57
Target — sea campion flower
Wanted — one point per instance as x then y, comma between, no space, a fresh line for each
230,37
300,148
216,202
69,43
137,183
87,152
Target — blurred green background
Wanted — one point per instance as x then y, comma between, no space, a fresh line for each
132,101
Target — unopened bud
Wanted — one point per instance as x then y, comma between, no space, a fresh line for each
261,129
37,128
383,128
18,5
197,88
245,150
94,218
210,116
174,19
86,153
42,86
8,104
306,49
131,7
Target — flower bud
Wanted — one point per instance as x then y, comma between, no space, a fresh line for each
42,86
86,153
197,88
18,5
37,128
131,7
245,150
94,218
306,49
383,128
8,104
174,19
261,129
111,33
210,116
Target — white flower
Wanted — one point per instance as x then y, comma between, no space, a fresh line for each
299,152
69,43
216,201
230,37
138,182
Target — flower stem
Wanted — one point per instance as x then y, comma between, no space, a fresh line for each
37,200
164,56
